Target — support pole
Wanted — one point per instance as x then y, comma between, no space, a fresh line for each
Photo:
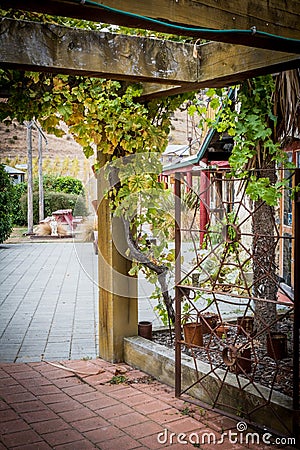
40,170
118,303
204,202
296,364
178,294
29,179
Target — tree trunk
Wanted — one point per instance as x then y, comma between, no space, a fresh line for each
264,254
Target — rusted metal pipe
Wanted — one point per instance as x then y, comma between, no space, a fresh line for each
178,294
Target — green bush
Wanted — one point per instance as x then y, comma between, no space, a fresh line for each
54,201
52,183
6,189
17,213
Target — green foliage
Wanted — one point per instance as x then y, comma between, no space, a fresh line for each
99,113
68,185
54,201
118,379
18,216
6,192
107,120
252,125
52,184
187,411
160,307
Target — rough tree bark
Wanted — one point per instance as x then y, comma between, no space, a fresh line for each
161,271
264,257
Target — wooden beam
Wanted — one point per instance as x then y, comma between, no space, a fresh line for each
52,48
118,292
226,64
47,47
276,17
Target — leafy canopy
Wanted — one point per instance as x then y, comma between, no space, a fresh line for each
251,121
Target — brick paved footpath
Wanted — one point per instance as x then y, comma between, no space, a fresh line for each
47,407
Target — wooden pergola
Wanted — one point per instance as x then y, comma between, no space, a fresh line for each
245,38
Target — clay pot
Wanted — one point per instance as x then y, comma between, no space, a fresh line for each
245,324
222,331
209,322
277,345
193,333
145,329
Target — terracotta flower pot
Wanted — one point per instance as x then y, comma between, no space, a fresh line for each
222,331
193,333
209,322
277,345
245,324
145,329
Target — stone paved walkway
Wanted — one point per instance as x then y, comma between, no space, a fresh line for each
46,407
48,308
49,301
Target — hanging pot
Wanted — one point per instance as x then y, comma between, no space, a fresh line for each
193,334
145,329
277,345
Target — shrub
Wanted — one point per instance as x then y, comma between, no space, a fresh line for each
18,216
68,185
54,201
6,189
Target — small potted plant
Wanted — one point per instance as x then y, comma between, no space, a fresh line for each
192,329
222,330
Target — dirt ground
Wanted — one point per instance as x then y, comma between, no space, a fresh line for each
18,235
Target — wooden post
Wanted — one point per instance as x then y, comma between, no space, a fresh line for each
29,179
118,304
41,187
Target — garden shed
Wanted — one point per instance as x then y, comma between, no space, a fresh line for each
17,176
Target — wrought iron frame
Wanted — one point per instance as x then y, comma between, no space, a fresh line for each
185,290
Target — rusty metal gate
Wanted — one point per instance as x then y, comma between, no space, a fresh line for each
235,288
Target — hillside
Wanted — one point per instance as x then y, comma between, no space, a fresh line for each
63,155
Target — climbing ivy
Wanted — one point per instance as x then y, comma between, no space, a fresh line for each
106,118
251,121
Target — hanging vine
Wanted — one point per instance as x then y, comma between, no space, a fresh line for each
106,118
